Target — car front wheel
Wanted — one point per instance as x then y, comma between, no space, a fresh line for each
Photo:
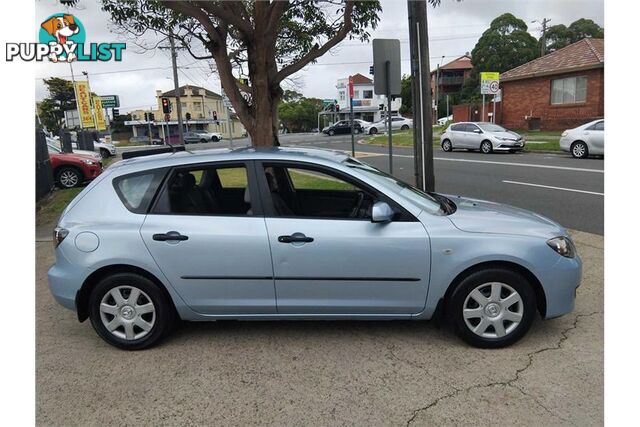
331,132
579,150
214,139
404,127
486,147
129,311
373,131
446,145
69,177
104,153
492,308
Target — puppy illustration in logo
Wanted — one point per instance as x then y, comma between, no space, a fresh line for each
61,27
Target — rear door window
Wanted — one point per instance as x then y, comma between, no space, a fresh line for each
137,190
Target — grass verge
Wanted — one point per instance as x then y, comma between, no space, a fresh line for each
49,209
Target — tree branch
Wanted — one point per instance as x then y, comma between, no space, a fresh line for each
318,51
224,11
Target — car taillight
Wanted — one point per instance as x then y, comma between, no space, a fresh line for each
59,234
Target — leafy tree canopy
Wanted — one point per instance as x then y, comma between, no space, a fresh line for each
559,36
299,114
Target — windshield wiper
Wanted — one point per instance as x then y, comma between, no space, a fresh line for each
446,204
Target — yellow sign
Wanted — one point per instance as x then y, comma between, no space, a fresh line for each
489,76
83,101
99,112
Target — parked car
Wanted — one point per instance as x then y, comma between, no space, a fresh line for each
397,123
483,136
209,136
54,146
443,120
271,234
192,137
106,149
144,140
341,127
72,169
584,140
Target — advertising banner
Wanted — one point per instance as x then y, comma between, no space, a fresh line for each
99,112
83,101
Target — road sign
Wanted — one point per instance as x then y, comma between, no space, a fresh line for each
351,87
110,101
489,83
387,51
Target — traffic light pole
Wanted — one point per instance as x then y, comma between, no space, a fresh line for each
387,65
176,87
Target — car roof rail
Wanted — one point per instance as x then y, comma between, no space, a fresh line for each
152,151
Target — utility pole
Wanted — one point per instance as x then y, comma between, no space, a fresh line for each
176,87
543,39
421,94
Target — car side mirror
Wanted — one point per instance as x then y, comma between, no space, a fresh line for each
381,212
477,131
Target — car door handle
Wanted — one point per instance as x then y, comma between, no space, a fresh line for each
295,238
170,236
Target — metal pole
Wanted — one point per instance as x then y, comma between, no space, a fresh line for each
437,90
426,118
149,126
387,72
493,116
93,110
176,87
353,142
447,106
75,94
482,117
229,126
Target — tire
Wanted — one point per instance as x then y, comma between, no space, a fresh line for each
579,150
486,147
516,318
331,132
69,177
446,146
126,312
373,131
215,139
404,127
104,153
356,131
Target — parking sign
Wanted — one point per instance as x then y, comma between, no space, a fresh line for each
489,83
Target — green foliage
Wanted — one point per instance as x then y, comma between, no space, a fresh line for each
61,98
559,36
299,114
585,28
405,94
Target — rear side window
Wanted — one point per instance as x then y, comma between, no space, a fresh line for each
137,190
457,128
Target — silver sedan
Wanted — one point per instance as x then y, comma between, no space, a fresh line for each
483,136
584,140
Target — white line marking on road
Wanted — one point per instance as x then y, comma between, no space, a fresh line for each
552,187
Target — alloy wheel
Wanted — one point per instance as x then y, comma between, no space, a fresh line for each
446,146
579,150
69,178
493,310
486,147
127,312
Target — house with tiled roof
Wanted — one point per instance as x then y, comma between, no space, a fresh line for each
449,78
557,91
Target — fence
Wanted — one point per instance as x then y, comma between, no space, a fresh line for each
44,174
473,112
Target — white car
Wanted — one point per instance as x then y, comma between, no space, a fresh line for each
397,123
443,120
584,140
483,136
55,145
210,136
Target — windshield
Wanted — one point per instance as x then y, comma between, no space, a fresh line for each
425,201
490,127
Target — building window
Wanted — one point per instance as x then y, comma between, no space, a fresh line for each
197,105
342,95
367,94
356,94
184,104
570,90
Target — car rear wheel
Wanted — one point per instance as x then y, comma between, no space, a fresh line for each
579,150
215,139
492,308
129,311
446,145
373,131
69,177
486,147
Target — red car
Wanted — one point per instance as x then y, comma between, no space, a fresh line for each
71,169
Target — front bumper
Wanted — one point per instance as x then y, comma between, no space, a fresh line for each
560,283
508,145
565,144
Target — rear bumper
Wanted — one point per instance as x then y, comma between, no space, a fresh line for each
65,279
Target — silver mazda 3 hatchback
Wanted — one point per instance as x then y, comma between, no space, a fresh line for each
298,234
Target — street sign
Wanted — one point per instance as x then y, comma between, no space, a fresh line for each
489,83
351,87
386,51
110,101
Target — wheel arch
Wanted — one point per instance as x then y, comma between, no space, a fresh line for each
541,299
82,296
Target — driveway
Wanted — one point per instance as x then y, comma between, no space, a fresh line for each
311,373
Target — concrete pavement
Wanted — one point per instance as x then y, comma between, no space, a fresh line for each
320,373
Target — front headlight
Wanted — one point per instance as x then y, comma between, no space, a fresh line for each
565,133
88,162
562,245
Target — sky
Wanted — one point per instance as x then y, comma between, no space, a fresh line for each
454,29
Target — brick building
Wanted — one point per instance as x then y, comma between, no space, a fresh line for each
561,90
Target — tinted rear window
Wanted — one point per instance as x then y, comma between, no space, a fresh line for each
457,128
137,190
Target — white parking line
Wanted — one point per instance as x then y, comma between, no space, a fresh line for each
552,187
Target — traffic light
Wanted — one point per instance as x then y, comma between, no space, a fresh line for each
215,115
337,108
371,70
151,117
166,106
115,112
188,116
380,107
146,117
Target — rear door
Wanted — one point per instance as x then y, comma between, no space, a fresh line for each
329,258
457,135
595,137
207,234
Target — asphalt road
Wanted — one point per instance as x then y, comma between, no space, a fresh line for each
565,189
324,373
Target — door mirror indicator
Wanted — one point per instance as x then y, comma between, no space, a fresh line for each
381,212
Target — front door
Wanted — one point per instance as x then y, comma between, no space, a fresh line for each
329,258
210,240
